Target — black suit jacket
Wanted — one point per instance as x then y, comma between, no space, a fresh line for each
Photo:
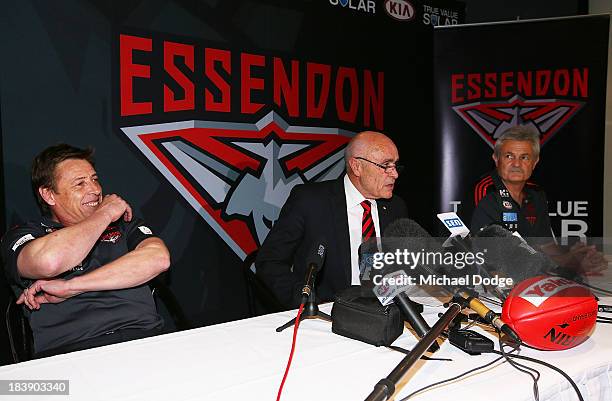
314,212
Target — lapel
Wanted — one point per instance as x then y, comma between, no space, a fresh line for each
340,221
384,214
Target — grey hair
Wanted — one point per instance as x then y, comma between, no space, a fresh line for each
519,133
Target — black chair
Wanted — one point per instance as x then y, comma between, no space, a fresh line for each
261,300
163,294
18,332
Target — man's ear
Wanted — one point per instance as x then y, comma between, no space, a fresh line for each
355,166
536,162
47,195
494,158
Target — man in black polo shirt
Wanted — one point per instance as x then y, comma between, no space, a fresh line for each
504,196
82,269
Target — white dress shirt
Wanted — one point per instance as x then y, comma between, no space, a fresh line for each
354,212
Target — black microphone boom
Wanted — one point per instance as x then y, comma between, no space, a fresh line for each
315,261
314,264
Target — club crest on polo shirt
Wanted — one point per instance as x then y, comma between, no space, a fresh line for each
110,235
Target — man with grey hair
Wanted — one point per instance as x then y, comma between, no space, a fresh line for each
505,196
342,212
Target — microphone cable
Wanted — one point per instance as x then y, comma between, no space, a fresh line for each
548,365
507,356
493,301
556,369
295,329
520,367
603,319
452,378
538,361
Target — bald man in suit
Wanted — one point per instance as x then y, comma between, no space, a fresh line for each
342,212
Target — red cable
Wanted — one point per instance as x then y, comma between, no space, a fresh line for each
295,329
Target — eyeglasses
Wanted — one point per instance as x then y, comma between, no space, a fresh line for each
387,167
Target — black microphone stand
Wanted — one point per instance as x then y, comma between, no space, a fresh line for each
311,311
385,388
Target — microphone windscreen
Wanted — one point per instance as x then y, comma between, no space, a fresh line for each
406,228
509,254
493,231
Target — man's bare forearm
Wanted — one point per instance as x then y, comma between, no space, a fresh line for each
149,259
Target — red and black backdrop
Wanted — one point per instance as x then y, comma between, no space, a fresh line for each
548,74
204,114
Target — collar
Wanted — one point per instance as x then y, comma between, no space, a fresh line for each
48,222
500,187
353,196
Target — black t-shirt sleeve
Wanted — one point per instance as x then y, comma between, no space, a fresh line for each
12,244
136,232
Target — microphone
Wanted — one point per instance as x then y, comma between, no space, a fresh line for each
510,254
489,316
461,239
412,229
398,294
316,258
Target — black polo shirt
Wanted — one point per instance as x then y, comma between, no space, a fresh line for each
494,205
90,314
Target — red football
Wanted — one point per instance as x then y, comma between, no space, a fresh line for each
551,313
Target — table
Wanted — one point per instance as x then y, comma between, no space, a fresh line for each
245,360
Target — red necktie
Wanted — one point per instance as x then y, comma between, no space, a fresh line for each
367,223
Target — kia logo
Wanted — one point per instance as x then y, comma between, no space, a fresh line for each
399,9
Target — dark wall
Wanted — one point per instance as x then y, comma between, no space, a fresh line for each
507,10
59,83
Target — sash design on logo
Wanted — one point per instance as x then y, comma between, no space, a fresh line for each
237,176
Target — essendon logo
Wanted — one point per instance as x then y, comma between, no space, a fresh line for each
162,76
216,124
492,102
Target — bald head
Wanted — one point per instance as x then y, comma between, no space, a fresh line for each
364,143
364,155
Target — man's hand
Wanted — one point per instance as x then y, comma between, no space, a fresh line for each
582,259
115,207
46,291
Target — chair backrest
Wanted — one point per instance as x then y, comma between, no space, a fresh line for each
18,332
261,299
162,293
